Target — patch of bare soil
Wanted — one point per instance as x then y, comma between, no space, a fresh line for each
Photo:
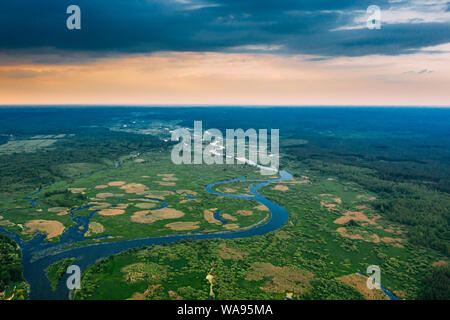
227,216
165,183
185,225
279,187
208,214
136,188
359,282
150,216
440,263
61,211
116,183
231,253
231,226
94,229
283,279
146,205
77,190
356,216
245,212
111,212
50,227
187,192
99,205
261,207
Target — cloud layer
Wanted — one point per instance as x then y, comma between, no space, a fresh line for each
329,28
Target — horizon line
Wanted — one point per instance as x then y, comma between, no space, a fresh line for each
224,105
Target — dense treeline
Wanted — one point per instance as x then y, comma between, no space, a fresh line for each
10,262
436,284
426,211
27,171
62,198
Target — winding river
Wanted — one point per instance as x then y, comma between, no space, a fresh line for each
38,254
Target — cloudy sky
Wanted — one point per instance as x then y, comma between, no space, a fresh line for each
249,52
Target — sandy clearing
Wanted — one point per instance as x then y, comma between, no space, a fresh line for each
145,177
166,174
359,282
229,253
165,183
136,188
357,216
231,226
440,263
208,214
179,226
338,200
329,206
261,207
116,183
50,227
361,207
61,211
104,195
111,212
227,216
57,209
391,240
139,160
188,192
229,190
147,205
6,223
76,190
94,228
295,181
374,238
343,232
174,296
283,279
169,179
99,205
150,216
102,186
245,212
279,187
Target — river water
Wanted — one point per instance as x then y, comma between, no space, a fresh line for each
38,254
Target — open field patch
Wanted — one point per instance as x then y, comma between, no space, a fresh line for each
116,183
359,282
51,228
245,212
185,225
136,188
208,214
283,279
111,212
280,187
150,216
94,229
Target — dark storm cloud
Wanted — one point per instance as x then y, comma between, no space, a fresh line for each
144,26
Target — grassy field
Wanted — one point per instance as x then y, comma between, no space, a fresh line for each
311,257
